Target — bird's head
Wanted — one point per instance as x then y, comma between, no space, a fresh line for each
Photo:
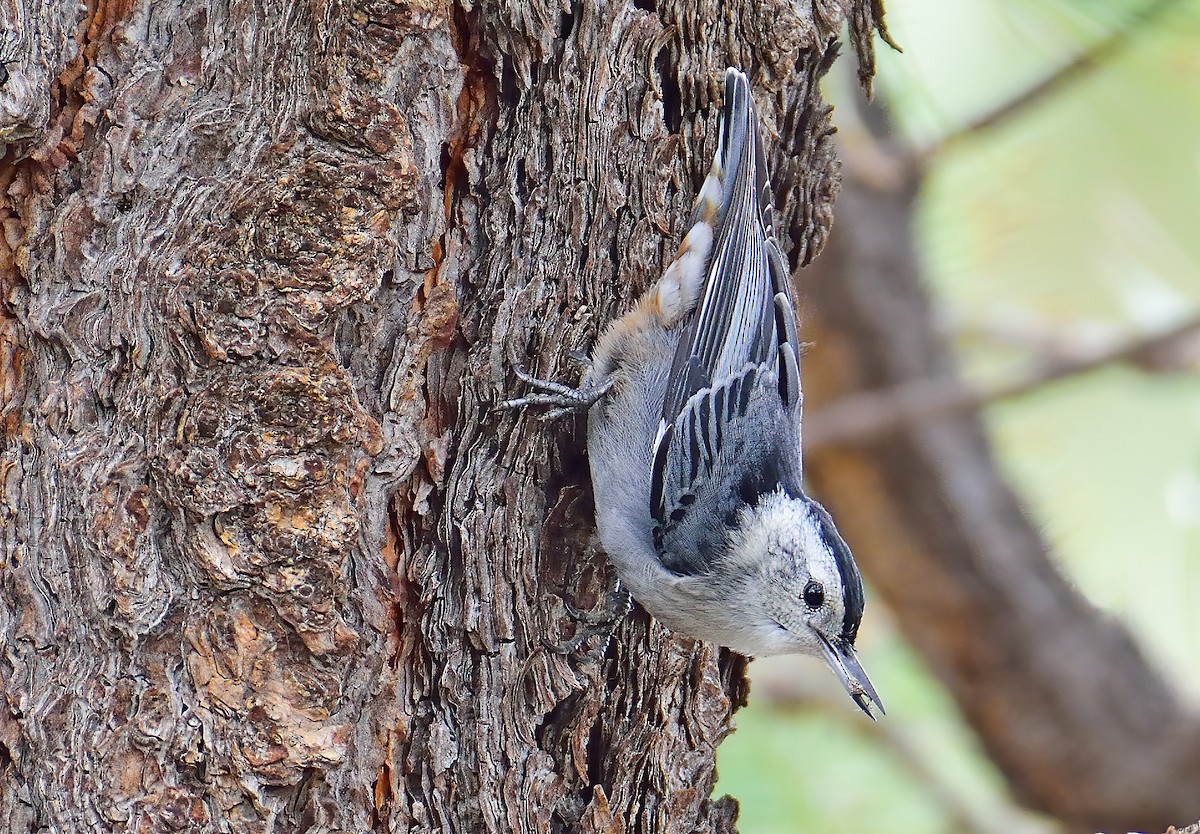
807,595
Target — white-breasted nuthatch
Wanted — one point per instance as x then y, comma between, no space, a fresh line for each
694,436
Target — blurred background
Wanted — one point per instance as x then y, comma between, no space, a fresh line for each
1064,228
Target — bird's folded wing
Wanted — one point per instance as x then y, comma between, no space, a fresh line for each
736,365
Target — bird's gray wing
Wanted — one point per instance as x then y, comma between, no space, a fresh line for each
735,367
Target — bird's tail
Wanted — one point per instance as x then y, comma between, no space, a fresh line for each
739,155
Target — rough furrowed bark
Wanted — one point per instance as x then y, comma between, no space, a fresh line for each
193,627
271,559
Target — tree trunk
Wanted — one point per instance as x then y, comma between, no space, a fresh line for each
271,560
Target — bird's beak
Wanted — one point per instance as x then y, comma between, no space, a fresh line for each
839,654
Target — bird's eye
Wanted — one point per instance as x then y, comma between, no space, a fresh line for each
814,595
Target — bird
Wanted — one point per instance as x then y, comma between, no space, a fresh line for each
693,435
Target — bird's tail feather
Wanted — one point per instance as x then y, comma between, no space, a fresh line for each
738,154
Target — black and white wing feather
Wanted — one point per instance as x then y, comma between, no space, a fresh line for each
730,428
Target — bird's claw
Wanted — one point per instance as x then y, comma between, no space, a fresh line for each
564,399
593,624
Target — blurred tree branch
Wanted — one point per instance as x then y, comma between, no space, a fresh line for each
1063,341
799,694
1092,58
865,415
1067,706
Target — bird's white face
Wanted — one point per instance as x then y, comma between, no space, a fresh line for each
803,593
805,597
797,589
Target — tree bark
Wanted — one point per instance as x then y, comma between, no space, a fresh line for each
271,560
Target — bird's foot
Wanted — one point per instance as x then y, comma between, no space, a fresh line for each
563,399
594,624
